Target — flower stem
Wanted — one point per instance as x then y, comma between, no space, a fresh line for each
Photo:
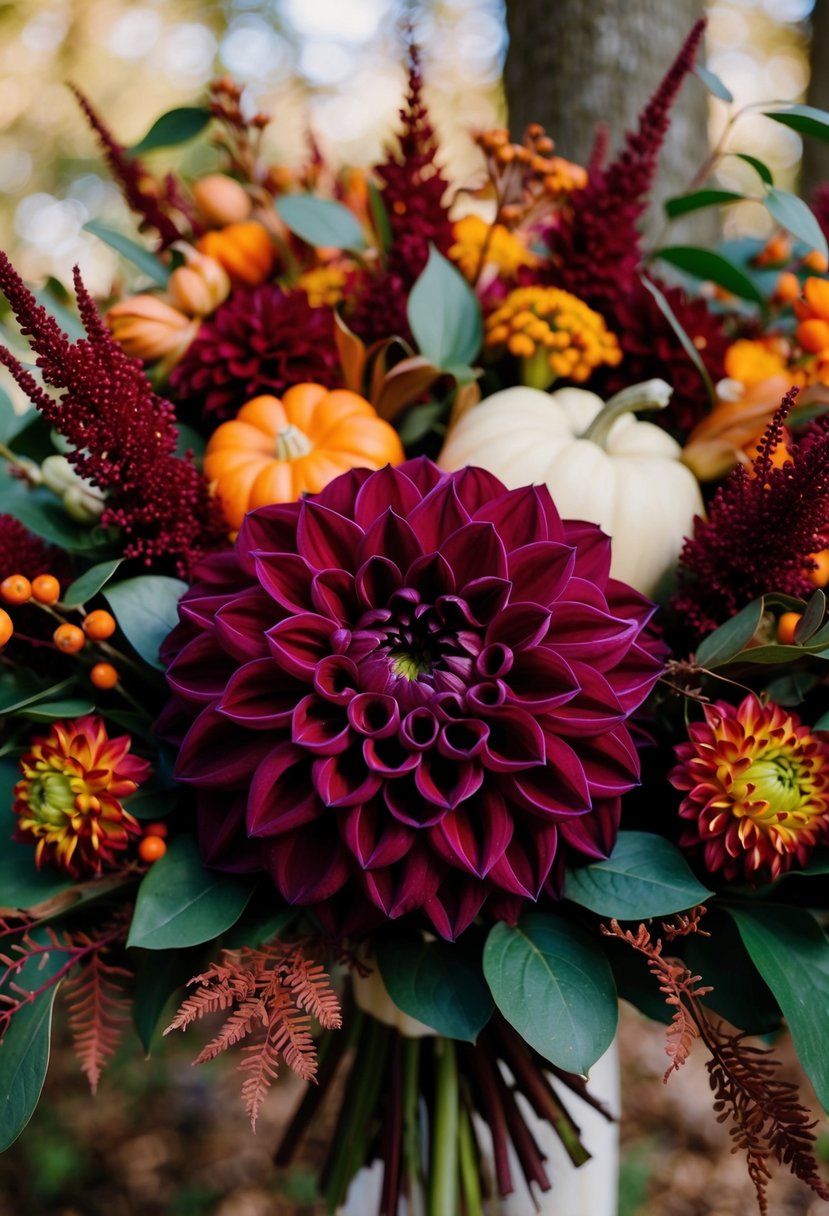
470,1177
443,1180
411,1123
362,1092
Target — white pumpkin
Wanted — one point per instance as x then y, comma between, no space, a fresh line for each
599,462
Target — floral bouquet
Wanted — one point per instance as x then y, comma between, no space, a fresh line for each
377,687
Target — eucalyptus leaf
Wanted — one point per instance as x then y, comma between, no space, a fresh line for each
684,204
713,83
11,422
682,336
759,166
729,639
552,982
173,128
806,120
90,583
794,215
321,222
140,257
437,983
444,314
644,876
145,608
706,265
812,618
50,711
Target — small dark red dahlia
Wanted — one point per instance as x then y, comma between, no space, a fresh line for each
415,684
262,340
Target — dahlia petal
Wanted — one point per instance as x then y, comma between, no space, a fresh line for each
260,695
386,488
422,472
594,710
463,739
223,842
625,601
474,835
333,594
610,762
390,536
444,783
560,787
320,727
388,757
218,755
405,887
374,714
407,805
281,796
432,576
201,609
527,860
476,487
580,631
300,642
593,834
473,548
522,516
242,624
419,729
633,677
340,493
438,514
377,580
268,529
592,550
540,681
516,741
201,670
335,678
287,578
540,571
310,865
454,906
343,780
375,841
519,626
325,538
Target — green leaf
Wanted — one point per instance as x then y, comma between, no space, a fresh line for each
791,952
154,800
145,609
24,1056
707,265
793,214
11,422
21,884
713,83
822,722
684,204
553,983
146,261
444,314
806,120
724,643
90,583
812,618
180,903
759,167
740,993
254,930
644,876
189,440
682,336
159,974
46,517
321,222
380,216
174,127
21,688
48,711
439,984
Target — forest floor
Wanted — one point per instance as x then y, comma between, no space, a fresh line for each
164,1139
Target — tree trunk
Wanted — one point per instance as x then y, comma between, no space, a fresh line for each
815,169
572,65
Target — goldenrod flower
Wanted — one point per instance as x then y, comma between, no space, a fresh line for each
479,244
323,285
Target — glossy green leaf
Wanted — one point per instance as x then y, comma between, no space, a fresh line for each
50,711
90,583
173,128
437,983
795,216
791,952
812,618
321,222
806,120
684,340
44,516
684,204
146,610
444,314
713,83
644,876
181,903
254,931
140,257
551,980
740,993
159,974
724,643
24,1055
706,265
21,688
759,166
11,422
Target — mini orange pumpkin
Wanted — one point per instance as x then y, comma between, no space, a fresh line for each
245,250
277,450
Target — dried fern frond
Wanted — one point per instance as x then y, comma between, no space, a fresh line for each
99,1012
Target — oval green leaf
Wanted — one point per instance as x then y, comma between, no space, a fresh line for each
173,128
684,204
791,952
145,261
444,314
806,120
713,83
644,876
90,583
50,711
321,222
724,643
709,266
146,610
439,984
793,214
553,983
159,974
759,166
180,903
682,336
24,1055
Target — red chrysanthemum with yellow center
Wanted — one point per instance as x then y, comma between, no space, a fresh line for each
758,789
69,802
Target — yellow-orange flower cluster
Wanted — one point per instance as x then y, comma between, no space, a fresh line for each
758,789
813,325
68,802
478,244
555,335
323,285
750,361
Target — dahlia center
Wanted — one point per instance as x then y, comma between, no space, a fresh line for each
412,661
291,443
777,781
51,799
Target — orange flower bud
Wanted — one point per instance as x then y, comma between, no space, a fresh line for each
221,200
245,250
147,328
816,261
816,300
788,287
813,335
200,286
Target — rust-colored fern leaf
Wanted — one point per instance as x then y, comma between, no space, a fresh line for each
250,1014
99,1012
219,987
311,987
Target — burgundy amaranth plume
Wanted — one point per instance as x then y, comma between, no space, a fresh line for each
133,180
597,247
761,530
124,436
413,189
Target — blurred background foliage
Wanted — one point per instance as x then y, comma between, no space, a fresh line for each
331,66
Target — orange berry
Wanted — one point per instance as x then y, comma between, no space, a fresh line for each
69,638
104,675
786,626
156,829
6,627
151,848
775,251
46,589
816,261
16,589
813,335
99,625
788,287
820,576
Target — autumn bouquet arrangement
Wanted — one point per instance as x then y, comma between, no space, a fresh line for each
381,696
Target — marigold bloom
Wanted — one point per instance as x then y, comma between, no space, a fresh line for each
553,333
478,243
758,783
69,801
413,688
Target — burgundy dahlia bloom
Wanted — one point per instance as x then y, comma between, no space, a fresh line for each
261,340
414,685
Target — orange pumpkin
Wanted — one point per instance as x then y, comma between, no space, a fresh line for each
245,250
277,450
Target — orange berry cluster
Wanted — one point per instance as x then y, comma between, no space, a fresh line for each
526,177
97,626
571,338
153,844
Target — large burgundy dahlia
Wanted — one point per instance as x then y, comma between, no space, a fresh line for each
414,684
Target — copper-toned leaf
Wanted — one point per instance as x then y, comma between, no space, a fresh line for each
401,386
467,395
352,353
